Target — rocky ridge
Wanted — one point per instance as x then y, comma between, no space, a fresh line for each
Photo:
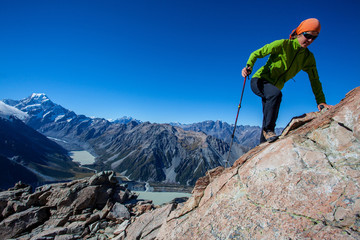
90,208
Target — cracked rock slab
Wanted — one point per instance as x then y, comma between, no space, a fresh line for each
306,185
147,225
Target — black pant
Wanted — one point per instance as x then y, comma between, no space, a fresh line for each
271,99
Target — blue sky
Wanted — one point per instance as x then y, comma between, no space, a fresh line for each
171,60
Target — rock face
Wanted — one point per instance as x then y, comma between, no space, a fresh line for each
306,185
160,153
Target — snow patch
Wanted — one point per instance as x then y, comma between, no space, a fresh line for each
39,97
58,118
6,111
56,139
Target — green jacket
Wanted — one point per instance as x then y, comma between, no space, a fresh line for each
286,59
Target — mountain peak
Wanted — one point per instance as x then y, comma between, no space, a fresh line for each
34,95
34,100
40,97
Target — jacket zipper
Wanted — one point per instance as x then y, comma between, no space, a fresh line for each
290,64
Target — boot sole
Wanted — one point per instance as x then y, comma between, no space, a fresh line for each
272,139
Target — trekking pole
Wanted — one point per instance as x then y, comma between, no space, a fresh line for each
237,115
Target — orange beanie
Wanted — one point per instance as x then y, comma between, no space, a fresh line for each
308,25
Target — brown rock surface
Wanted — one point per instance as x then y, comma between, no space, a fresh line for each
147,225
303,186
64,211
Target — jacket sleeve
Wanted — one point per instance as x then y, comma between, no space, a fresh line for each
271,48
311,70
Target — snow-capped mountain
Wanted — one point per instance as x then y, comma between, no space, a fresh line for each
41,110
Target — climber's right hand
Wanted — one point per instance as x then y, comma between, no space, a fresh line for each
246,71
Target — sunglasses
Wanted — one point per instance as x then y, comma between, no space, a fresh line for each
309,36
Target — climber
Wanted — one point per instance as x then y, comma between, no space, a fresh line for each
287,58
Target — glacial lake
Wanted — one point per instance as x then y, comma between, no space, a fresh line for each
82,157
159,198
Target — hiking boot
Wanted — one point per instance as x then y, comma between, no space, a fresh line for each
270,136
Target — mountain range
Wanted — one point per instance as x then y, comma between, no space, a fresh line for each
246,136
141,151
